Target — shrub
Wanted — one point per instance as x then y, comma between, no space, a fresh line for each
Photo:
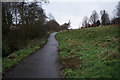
5,49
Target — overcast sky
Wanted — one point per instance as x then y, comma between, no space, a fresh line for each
75,10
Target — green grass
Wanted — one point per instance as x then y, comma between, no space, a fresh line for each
90,52
16,57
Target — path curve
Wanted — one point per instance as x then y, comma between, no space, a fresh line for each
42,64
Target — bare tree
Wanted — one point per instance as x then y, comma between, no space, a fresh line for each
116,19
6,17
51,17
104,17
118,10
94,17
65,25
15,11
85,21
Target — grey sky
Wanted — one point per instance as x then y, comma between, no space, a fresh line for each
75,10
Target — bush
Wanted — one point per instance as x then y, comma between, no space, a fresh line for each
19,38
5,49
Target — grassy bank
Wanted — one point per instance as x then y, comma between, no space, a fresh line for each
89,53
16,57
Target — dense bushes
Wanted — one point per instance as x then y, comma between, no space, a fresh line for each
52,25
5,48
18,38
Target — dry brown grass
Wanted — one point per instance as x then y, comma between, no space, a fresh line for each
12,56
70,62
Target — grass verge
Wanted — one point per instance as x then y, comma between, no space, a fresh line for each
90,52
16,57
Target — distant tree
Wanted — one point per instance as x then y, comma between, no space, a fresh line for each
98,22
52,25
104,17
118,10
94,17
116,19
65,25
21,8
15,11
85,21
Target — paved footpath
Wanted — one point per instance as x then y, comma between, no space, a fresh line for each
42,64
